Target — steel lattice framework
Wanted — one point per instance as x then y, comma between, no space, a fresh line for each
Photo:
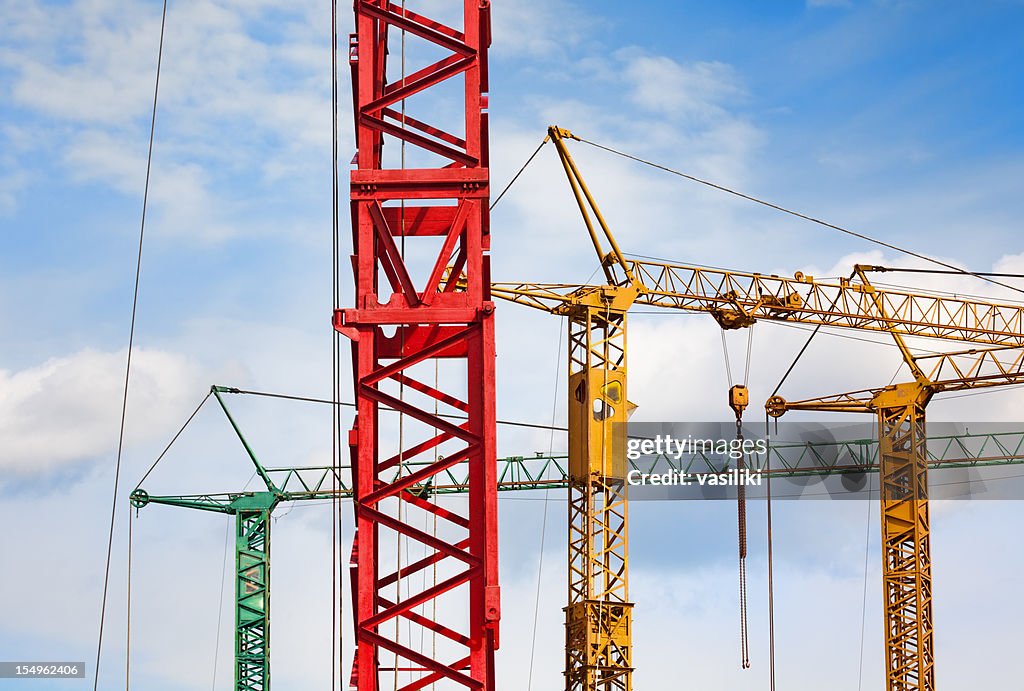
599,623
906,538
907,569
444,198
252,596
903,470
738,300
598,618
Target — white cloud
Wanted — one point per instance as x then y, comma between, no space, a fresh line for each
183,201
1010,263
533,29
691,119
110,82
13,179
244,111
66,409
696,90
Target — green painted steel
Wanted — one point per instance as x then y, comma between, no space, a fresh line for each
787,459
803,459
252,600
252,512
217,390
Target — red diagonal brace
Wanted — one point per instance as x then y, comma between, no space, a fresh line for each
446,671
449,199
407,481
417,566
420,80
418,599
417,24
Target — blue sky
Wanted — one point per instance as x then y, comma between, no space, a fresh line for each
897,119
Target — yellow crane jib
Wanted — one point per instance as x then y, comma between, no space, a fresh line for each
598,618
740,298
584,199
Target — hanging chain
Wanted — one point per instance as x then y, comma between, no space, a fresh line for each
741,515
739,397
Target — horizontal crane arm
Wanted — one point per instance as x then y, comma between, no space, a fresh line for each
946,372
737,299
974,369
517,473
218,503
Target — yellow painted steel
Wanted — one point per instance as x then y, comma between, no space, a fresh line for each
906,539
599,614
906,548
598,618
903,472
906,545
737,299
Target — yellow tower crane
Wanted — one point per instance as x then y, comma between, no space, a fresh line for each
598,618
903,489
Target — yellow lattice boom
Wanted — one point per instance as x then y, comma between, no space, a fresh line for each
599,614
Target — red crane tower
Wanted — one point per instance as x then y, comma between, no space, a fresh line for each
400,217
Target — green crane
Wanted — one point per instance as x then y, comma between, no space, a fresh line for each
252,511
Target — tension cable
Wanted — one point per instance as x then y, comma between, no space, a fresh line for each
128,367
805,217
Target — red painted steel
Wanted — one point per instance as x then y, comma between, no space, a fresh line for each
446,591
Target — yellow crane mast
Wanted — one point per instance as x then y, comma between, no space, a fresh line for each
903,491
598,618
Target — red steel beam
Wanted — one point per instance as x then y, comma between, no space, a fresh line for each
400,322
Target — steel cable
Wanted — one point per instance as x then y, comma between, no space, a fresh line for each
336,596
797,214
349,404
220,601
864,595
544,516
174,439
520,172
128,362
728,364
741,522
128,608
802,350
750,349
771,566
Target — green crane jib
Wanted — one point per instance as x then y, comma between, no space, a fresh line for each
253,509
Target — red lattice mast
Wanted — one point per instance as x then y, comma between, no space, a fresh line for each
424,349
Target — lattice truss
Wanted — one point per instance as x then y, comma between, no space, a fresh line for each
424,571
252,600
598,619
737,299
907,573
